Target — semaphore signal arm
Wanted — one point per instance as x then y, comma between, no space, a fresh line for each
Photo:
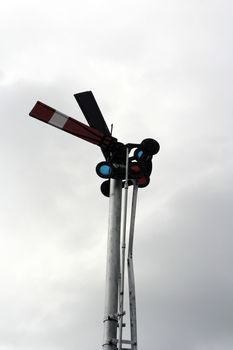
60,120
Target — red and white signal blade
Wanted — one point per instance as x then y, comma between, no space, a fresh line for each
53,117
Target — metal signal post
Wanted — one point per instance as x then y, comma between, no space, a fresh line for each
112,266
120,170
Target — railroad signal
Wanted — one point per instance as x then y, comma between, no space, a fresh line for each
139,165
124,170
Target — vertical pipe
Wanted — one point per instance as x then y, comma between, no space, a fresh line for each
122,284
132,220
113,266
132,296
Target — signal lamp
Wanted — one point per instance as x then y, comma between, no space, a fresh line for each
105,188
138,153
143,181
104,170
150,146
135,170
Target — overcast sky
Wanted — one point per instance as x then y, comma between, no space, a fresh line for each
160,69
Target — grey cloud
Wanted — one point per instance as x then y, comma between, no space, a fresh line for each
158,70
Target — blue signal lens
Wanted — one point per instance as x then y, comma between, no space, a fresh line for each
140,154
105,170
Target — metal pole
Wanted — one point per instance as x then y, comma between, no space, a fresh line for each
122,284
113,266
132,296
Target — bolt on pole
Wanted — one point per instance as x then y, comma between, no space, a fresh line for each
113,266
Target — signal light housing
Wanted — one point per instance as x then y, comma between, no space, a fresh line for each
105,188
108,170
150,146
143,181
140,171
104,170
139,165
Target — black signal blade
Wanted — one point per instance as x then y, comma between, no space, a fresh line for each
91,111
